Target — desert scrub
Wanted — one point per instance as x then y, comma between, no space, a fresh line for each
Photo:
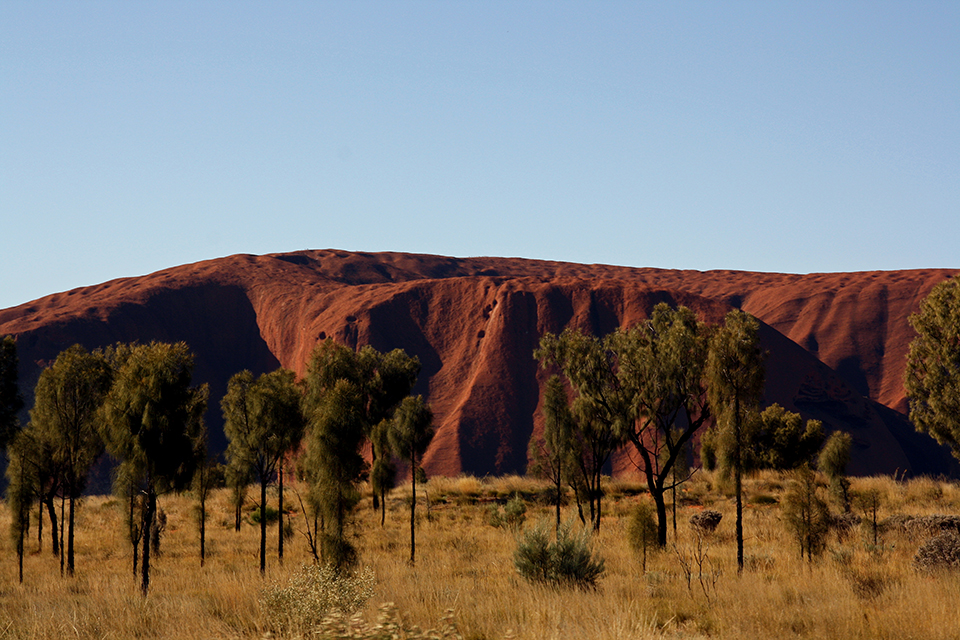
706,521
939,553
510,516
568,562
311,594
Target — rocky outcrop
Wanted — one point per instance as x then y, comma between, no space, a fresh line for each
837,343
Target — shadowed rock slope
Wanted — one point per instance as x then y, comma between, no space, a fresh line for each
837,342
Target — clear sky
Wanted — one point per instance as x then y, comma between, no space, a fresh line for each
770,136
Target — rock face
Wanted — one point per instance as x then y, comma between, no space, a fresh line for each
837,343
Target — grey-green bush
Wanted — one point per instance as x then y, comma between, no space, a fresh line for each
511,516
805,513
568,562
642,530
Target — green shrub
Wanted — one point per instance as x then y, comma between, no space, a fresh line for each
271,514
511,516
805,513
515,512
495,516
312,593
568,562
642,530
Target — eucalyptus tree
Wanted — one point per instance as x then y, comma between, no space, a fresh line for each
348,396
601,407
64,419
833,461
333,463
932,379
661,367
550,454
410,436
383,471
19,496
209,476
38,477
385,379
643,385
736,373
263,421
153,424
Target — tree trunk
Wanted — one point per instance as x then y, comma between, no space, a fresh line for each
52,513
70,523
383,506
20,538
63,511
149,512
280,511
673,496
559,487
413,508
596,524
134,538
263,525
203,515
657,494
738,479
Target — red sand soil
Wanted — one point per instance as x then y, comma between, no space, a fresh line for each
837,342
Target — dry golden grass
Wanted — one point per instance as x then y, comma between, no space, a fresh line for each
463,564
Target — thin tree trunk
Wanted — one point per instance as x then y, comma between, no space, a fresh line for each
52,513
134,538
263,525
23,518
738,480
661,504
598,496
559,487
383,506
40,526
63,511
280,511
20,538
596,525
203,518
673,495
70,523
413,507
148,515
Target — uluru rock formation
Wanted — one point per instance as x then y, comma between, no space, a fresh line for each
837,343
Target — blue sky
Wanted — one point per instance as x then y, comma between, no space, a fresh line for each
767,136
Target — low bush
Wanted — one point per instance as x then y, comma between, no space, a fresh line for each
511,516
313,593
939,553
270,513
642,530
706,521
568,562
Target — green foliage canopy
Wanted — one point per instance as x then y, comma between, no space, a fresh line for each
932,379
